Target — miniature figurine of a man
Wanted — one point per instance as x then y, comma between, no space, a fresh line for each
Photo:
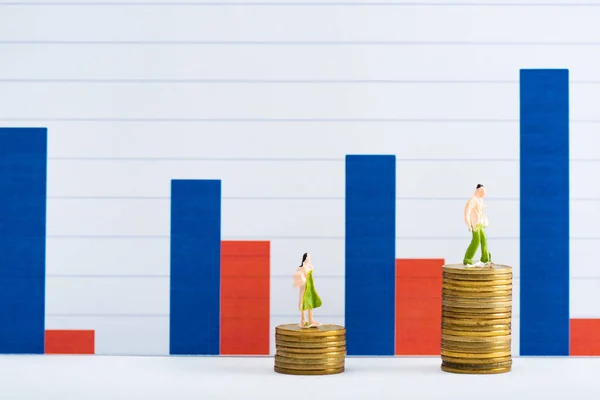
477,221
308,297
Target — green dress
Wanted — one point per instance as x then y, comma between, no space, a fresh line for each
311,299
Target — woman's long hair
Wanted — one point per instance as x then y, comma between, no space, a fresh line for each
303,259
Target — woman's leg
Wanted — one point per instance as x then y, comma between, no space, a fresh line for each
311,319
301,294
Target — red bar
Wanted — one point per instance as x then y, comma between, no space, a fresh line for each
245,294
418,306
585,337
69,342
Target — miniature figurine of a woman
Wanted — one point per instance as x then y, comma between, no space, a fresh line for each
308,297
477,221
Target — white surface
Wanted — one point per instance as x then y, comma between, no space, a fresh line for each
128,109
174,378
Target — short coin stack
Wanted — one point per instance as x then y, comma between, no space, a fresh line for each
310,351
476,319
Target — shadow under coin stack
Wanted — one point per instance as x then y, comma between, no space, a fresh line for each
310,351
476,319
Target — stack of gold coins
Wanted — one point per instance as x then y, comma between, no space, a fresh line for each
476,319
310,351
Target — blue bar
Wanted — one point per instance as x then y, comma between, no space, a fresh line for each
23,166
370,254
544,212
195,267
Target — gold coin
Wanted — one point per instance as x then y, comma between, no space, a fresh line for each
465,315
480,274
501,370
317,351
477,294
462,343
502,364
476,347
476,325
475,281
501,284
468,329
309,367
463,269
310,345
475,305
308,361
323,359
311,356
477,339
464,305
474,361
329,371
487,298
494,333
322,330
311,339
476,352
478,312
491,272
475,322
470,291
477,277
469,355
477,300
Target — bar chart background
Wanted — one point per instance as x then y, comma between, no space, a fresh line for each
270,97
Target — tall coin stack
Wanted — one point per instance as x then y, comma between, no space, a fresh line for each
310,351
476,319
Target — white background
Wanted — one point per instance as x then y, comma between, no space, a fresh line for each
69,377
270,97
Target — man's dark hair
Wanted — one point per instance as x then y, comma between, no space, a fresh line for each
478,186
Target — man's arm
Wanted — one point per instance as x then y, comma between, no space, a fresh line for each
468,208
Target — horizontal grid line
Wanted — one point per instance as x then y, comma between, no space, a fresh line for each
134,315
308,198
107,315
280,81
263,120
107,276
275,237
163,276
275,276
298,4
287,159
292,159
288,120
294,43
268,81
296,316
338,198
